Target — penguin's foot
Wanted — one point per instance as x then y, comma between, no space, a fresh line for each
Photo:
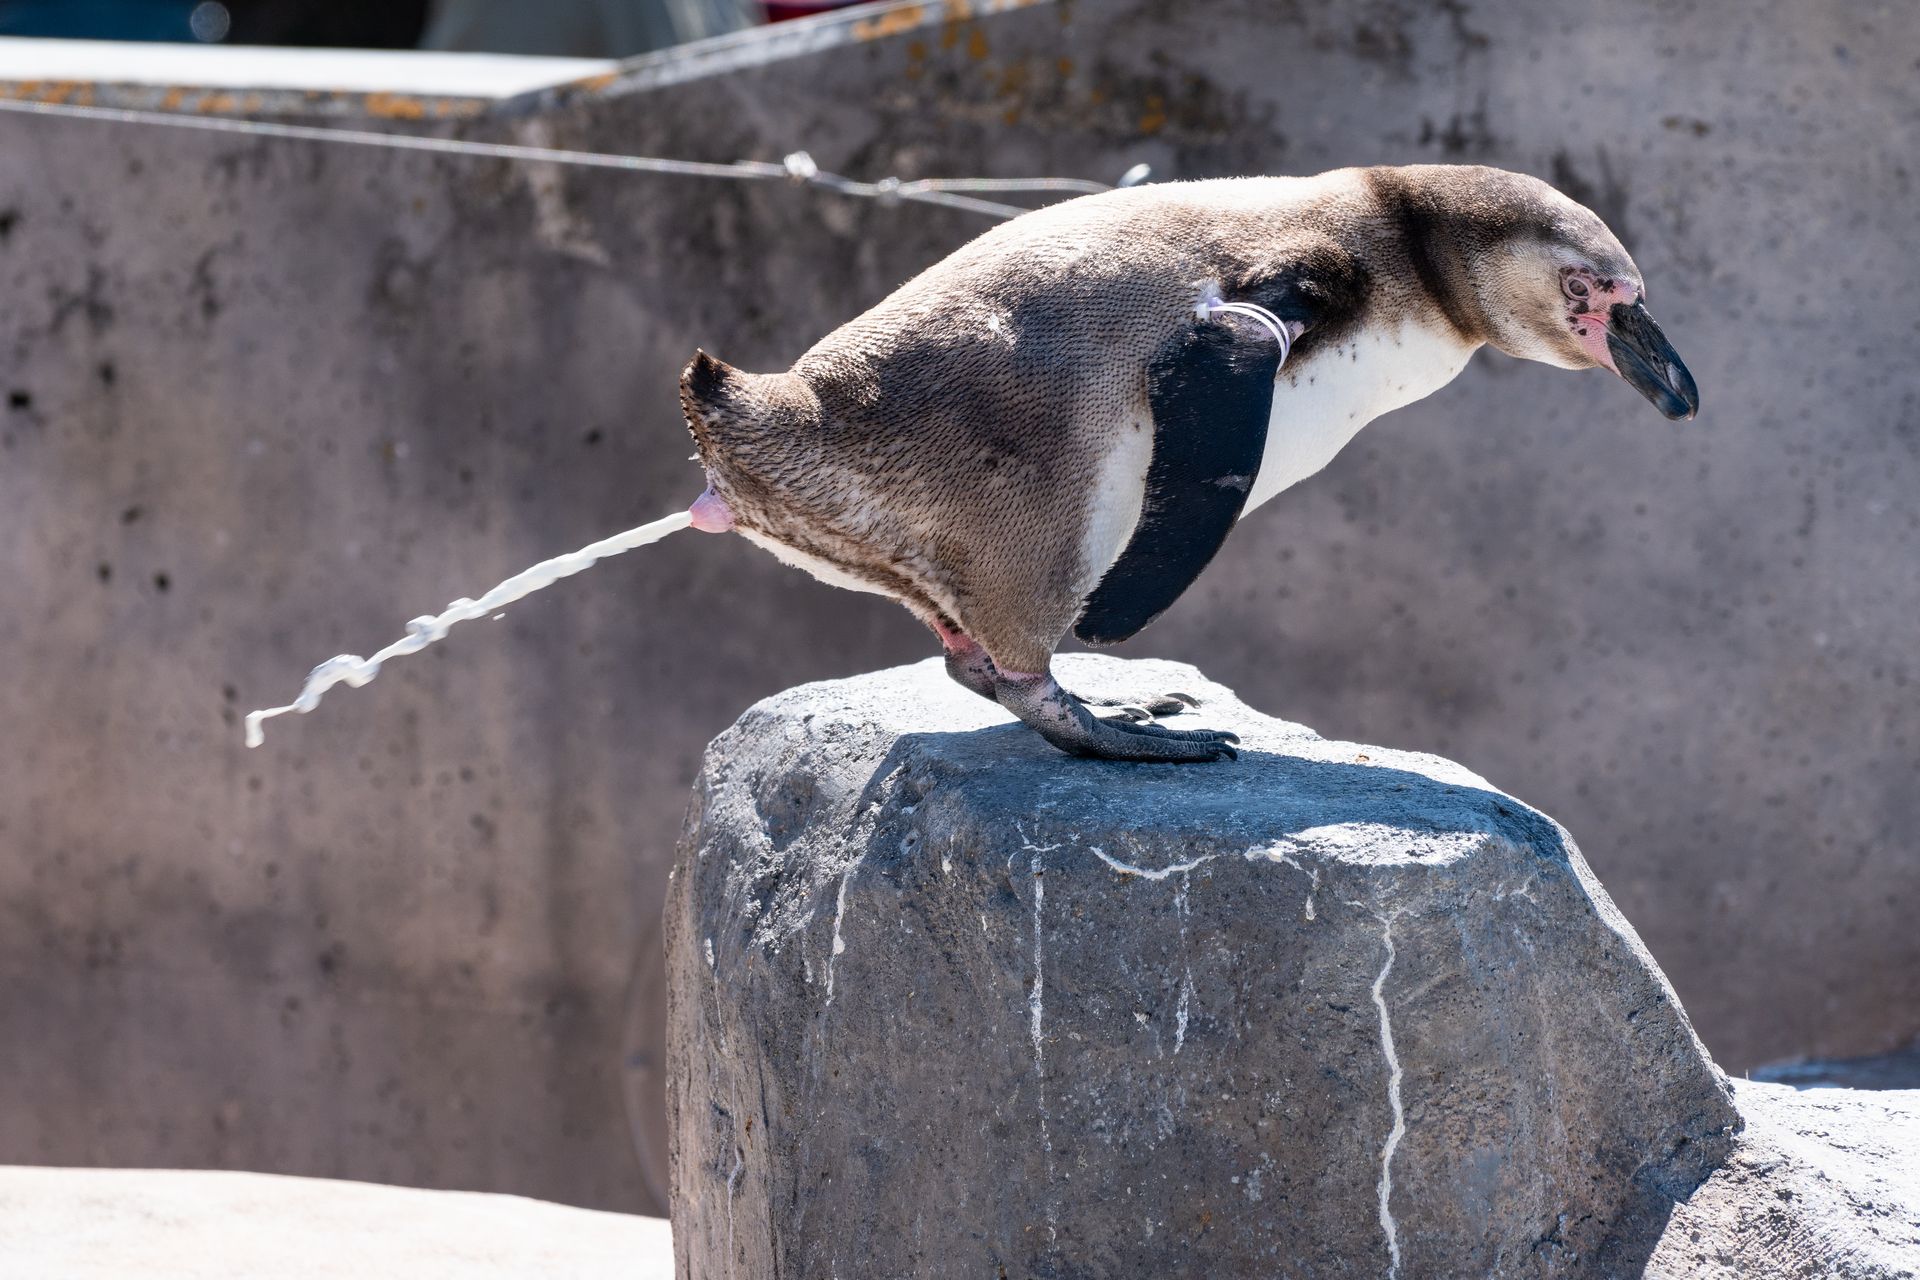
1167,704
1065,721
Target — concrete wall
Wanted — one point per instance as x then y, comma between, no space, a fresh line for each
266,400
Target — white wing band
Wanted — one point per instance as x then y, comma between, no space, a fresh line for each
1254,311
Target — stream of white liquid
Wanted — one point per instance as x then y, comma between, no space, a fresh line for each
355,671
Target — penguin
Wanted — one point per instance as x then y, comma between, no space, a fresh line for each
1053,430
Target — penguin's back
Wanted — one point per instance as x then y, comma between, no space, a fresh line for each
980,439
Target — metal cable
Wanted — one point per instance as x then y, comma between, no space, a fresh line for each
798,167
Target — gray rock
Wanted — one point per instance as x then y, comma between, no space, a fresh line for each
1823,1183
945,1002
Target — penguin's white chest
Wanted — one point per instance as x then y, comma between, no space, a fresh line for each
1321,404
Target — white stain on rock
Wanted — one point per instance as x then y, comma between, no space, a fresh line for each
1036,1012
1283,853
1036,996
1180,1013
733,1179
1150,873
1399,1129
839,941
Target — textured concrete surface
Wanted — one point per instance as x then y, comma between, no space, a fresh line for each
1823,1184
947,1002
169,1224
237,371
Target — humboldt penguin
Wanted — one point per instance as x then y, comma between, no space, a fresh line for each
1054,429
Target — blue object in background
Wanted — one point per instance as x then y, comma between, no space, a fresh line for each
99,19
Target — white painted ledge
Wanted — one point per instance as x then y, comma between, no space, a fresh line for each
164,1224
406,71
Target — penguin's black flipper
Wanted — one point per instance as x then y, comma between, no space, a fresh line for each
1210,389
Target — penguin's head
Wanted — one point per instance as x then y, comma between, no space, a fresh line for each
1555,285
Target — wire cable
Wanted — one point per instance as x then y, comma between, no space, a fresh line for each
799,167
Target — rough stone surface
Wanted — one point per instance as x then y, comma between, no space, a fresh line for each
169,1224
1823,1184
245,366
944,1000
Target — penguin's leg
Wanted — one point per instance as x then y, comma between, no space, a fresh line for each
967,662
1065,721
971,668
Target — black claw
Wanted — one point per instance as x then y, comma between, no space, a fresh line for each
1176,735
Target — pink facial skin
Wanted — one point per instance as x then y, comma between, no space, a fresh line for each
1587,311
710,514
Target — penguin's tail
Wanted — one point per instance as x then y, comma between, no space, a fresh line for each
730,413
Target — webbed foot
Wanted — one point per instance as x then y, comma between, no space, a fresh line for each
1166,704
1065,721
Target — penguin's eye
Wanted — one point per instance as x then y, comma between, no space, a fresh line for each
1575,287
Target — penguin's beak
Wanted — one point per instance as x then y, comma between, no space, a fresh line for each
1643,356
